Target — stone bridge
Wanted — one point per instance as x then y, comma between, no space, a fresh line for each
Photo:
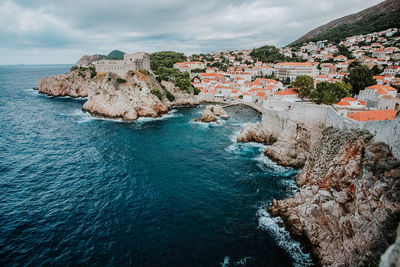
251,105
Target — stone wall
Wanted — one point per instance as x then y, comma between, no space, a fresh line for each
278,115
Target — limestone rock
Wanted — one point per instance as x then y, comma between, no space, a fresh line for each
348,204
75,84
392,255
111,97
207,116
220,112
211,112
254,132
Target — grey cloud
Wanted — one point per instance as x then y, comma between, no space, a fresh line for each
92,26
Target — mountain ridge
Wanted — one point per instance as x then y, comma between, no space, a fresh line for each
371,19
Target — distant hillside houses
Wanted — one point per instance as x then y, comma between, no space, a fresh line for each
131,62
189,65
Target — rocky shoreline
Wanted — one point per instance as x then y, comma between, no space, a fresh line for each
347,207
109,96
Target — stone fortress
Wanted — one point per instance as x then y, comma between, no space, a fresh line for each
137,61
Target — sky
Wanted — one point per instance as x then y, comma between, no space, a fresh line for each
60,32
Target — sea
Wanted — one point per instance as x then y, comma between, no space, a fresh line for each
80,190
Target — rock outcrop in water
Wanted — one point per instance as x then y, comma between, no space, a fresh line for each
254,132
211,113
289,148
292,147
113,97
348,203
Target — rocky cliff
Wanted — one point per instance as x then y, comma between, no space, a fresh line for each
347,208
290,147
113,97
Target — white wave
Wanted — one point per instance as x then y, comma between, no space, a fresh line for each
244,148
290,185
225,263
266,163
282,237
207,125
242,262
173,113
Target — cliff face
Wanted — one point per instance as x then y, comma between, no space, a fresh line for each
288,145
113,97
74,84
348,203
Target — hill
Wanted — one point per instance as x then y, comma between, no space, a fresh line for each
379,17
115,55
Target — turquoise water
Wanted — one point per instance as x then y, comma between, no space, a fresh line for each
76,190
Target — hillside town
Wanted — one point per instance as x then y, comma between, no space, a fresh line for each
239,76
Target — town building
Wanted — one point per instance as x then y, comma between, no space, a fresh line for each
292,70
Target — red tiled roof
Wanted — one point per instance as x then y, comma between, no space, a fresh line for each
375,115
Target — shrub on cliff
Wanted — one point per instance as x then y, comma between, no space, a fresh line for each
157,93
169,95
121,80
197,91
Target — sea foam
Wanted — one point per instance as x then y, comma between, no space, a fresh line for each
282,237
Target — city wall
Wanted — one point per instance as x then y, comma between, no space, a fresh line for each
281,118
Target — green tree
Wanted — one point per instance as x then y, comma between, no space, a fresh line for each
305,85
286,81
376,70
360,77
169,95
157,93
165,59
267,53
330,93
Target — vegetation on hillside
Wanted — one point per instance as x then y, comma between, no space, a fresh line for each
162,65
270,54
365,26
165,59
115,55
157,93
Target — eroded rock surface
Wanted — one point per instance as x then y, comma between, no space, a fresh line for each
211,112
113,97
347,207
254,132
291,150
74,84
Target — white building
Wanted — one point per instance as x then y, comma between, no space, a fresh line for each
293,69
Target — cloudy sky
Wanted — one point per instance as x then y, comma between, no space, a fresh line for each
53,31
